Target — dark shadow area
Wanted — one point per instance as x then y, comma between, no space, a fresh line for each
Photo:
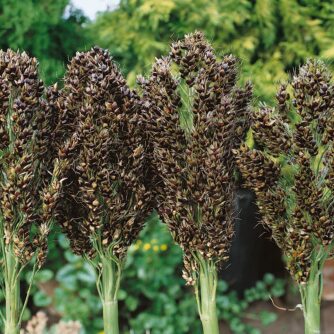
252,252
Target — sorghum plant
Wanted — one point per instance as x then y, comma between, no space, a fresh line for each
195,116
105,201
291,171
29,178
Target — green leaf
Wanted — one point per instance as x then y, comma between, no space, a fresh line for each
267,317
41,299
70,257
63,241
132,303
122,294
269,278
43,276
87,275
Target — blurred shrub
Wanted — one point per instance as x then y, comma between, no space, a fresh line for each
234,310
153,289
270,36
44,30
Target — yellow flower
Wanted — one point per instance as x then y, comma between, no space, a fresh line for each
102,332
147,246
154,241
156,248
163,247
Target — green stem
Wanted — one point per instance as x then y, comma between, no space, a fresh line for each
109,286
110,316
206,296
12,293
311,308
311,293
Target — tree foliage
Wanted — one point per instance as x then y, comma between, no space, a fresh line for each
45,30
272,37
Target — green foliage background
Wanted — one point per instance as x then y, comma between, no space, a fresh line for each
272,38
44,30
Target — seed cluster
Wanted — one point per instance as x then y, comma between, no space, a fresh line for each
290,168
29,180
195,118
99,157
105,199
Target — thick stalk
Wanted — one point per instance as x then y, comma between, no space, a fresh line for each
206,296
110,316
311,293
311,307
110,280
12,293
